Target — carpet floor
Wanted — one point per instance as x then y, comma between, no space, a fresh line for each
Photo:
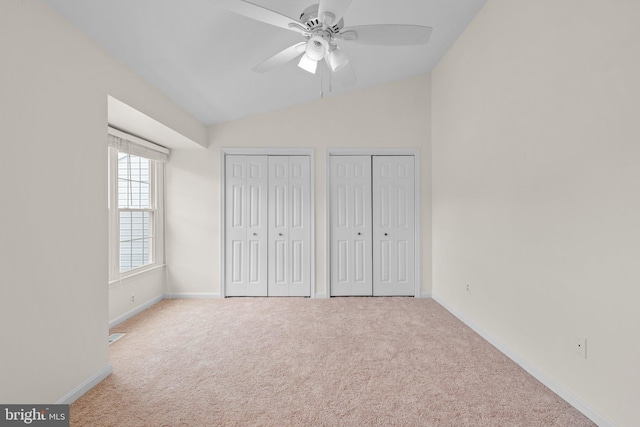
306,362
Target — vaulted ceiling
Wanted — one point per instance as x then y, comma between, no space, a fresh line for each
201,55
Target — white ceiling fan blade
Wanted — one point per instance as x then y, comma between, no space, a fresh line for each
281,58
337,8
346,75
387,35
259,13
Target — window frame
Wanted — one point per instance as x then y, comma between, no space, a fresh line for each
156,208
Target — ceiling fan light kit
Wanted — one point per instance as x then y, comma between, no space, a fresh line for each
308,64
316,48
337,59
323,28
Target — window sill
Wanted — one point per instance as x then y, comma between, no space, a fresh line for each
139,272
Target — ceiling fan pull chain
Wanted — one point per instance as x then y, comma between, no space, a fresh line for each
330,83
321,82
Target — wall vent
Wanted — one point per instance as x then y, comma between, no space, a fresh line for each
115,337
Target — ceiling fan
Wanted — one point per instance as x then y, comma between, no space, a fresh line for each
322,27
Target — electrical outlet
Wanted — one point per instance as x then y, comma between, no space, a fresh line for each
468,288
133,298
580,347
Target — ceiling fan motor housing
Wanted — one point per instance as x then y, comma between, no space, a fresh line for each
320,35
311,19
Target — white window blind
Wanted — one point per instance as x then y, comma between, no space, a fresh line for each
130,144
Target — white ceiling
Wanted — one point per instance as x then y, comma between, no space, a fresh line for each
202,56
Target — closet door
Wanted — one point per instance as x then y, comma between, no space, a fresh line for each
289,226
246,225
393,225
351,252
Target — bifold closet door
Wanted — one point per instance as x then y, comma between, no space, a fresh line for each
289,226
246,225
372,225
351,238
393,225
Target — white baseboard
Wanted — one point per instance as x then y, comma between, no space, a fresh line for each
118,320
426,295
193,295
536,372
85,386
320,296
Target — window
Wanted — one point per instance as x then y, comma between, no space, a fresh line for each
135,211
136,205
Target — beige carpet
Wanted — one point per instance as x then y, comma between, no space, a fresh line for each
303,362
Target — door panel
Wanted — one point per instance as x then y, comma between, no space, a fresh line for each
351,255
289,226
393,225
246,226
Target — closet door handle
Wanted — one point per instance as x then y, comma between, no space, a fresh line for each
359,234
255,234
279,234
386,234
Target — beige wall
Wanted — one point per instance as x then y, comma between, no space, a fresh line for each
536,189
394,115
535,169
147,289
54,84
